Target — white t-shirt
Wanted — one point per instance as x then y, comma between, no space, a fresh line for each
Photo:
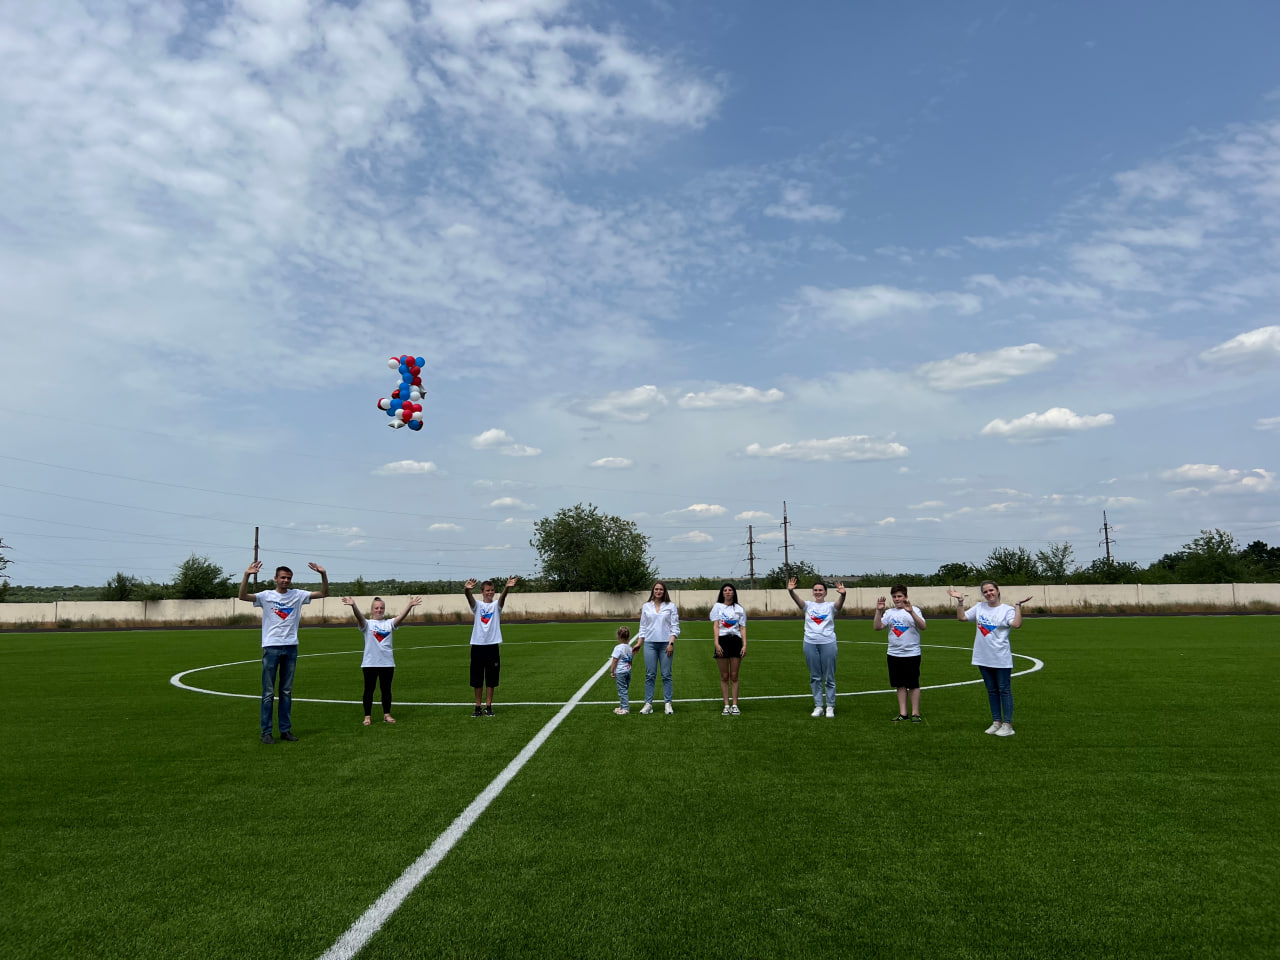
622,653
731,616
658,623
377,643
488,626
280,615
991,642
904,635
819,621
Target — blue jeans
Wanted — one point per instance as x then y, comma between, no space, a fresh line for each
655,655
284,660
821,658
999,681
623,677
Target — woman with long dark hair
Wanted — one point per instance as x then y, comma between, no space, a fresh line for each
729,637
659,627
992,654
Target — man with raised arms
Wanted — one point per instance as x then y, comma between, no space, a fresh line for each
281,612
486,636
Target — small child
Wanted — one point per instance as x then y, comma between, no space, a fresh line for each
620,670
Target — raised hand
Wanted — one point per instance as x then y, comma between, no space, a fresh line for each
954,594
317,568
791,583
880,604
511,582
840,587
413,601
470,584
253,568
349,601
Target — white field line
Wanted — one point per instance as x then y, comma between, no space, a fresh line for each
177,680
371,921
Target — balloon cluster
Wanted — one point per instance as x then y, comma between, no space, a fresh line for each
402,406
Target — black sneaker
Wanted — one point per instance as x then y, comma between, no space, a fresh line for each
267,738
477,712
488,711
899,718
288,736
915,718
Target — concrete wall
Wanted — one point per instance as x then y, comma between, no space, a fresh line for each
859,601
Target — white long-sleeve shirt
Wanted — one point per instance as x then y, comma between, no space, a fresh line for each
659,623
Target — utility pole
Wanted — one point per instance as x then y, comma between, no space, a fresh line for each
786,543
751,555
1106,537
255,554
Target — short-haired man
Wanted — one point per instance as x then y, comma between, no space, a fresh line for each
486,636
281,611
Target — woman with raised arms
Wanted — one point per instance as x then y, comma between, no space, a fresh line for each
992,654
820,642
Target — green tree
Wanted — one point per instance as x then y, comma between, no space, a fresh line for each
1212,557
120,587
806,575
1011,565
199,578
1055,562
951,574
581,548
1263,560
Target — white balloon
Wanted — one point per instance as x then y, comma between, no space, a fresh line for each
393,363
384,404
418,416
414,395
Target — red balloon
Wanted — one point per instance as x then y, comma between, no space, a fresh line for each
417,381
395,394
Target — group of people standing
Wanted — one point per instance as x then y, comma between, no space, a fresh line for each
657,635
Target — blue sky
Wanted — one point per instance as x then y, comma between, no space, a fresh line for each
942,276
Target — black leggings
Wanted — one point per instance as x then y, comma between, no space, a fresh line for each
377,676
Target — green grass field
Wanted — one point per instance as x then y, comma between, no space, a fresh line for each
1133,815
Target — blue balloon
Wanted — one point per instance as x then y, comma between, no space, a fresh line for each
404,369
407,378
391,411
415,424
396,404
419,362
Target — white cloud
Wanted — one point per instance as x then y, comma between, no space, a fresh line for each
1267,423
1262,344
776,535
966,370
751,516
1013,241
503,443
693,536
729,395
1054,421
833,448
699,510
1035,288
612,463
887,521
628,406
443,528
406,468
854,306
339,531
927,504
510,503
1222,479
795,205
1113,265
505,546
1000,507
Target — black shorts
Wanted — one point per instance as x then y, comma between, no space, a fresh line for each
904,671
731,644
484,664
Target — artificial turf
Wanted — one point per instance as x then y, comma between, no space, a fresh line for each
1132,815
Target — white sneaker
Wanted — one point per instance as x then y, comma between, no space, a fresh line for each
994,728
647,708
831,712
1006,730
817,712
727,711
669,710
734,711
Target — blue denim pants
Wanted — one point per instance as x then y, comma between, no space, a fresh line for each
821,658
999,681
655,656
623,678
283,660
